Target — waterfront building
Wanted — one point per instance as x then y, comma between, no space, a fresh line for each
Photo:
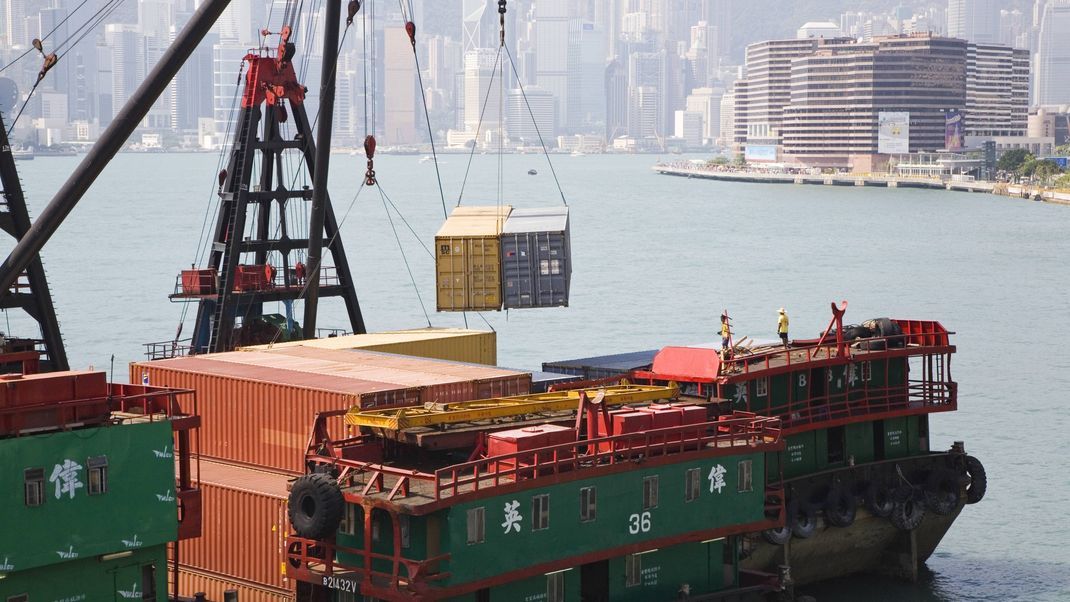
997,90
707,103
727,119
689,127
400,89
1053,55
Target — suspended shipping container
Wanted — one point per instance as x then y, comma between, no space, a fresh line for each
244,527
454,344
468,261
536,258
257,408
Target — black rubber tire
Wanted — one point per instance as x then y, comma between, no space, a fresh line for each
315,506
840,507
942,491
856,331
879,501
886,327
803,519
777,537
871,344
978,482
907,515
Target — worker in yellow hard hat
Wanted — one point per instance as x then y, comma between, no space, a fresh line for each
782,326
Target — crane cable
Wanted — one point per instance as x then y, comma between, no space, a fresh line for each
45,37
410,29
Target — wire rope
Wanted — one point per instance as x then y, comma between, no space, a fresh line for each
479,124
404,257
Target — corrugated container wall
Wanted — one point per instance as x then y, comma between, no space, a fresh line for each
454,344
604,366
258,407
244,526
536,258
191,582
468,260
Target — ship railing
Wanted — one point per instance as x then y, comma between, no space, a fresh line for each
731,433
206,284
916,334
914,397
163,350
310,560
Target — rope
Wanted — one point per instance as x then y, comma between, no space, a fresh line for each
479,124
546,153
404,258
409,226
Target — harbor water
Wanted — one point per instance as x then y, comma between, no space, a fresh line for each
656,259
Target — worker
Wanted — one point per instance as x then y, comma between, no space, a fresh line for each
782,327
726,335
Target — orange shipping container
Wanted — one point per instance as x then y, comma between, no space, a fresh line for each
262,416
244,527
257,407
191,582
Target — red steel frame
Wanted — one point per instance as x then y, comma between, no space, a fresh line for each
409,579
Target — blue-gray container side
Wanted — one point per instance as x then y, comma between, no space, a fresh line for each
536,259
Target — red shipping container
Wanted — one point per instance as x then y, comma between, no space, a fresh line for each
663,416
18,390
244,526
530,438
692,414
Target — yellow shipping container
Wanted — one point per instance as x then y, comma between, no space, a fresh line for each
468,261
454,344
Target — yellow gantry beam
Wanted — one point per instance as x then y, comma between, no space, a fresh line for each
504,407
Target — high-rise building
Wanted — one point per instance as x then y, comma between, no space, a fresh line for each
226,89
15,23
688,127
718,14
766,87
127,61
482,90
646,94
1052,86
707,103
974,20
553,45
728,119
479,24
522,128
586,102
616,86
400,89
997,90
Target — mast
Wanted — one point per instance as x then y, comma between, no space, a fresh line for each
323,157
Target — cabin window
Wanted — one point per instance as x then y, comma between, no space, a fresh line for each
744,476
555,587
148,582
650,492
34,479
588,504
403,527
692,481
98,475
867,371
633,570
540,512
375,529
762,386
476,525
350,520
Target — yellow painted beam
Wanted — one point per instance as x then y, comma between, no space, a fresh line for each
503,407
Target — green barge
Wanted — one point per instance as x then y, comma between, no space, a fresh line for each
92,498
707,476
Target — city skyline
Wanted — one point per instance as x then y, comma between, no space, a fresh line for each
631,73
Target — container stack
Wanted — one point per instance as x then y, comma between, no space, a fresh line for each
257,408
494,257
454,344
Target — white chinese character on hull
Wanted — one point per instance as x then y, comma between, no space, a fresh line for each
512,517
716,478
65,476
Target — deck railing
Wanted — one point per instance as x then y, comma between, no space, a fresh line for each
314,558
742,429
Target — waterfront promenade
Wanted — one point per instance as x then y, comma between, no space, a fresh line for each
688,170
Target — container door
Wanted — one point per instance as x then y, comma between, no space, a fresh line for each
552,269
450,268
594,581
484,277
518,270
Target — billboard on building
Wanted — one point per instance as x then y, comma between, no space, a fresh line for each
953,130
893,133
760,153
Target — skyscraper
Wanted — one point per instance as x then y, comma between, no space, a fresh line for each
399,89
1053,55
15,22
482,96
552,46
479,24
521,127
974,20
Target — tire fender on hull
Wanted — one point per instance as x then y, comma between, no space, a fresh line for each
907,514
840,507
976,479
